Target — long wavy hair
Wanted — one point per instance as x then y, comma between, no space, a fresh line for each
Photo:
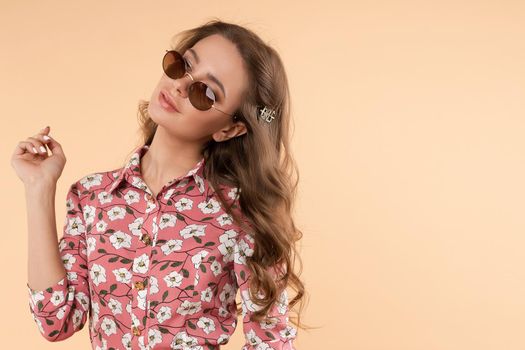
258,163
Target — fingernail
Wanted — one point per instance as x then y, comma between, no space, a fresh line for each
34,150
45,137
42,149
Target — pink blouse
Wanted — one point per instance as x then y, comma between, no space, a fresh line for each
154,272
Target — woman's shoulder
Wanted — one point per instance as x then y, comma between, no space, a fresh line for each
97,180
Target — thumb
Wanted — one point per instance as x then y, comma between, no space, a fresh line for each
54,146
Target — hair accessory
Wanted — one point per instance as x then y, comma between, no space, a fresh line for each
267,114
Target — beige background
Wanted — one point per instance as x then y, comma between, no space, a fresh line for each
409,133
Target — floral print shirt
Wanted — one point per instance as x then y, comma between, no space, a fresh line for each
154,272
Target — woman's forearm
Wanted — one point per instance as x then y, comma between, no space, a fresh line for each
45,265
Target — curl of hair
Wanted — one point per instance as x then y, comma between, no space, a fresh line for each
259,163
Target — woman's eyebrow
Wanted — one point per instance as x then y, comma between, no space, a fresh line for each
208,74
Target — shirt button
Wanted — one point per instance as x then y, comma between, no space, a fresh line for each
139,285
150,198
136,330
145,238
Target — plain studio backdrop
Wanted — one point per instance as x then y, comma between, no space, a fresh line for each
409,125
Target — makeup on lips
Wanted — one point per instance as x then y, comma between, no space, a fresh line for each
165,103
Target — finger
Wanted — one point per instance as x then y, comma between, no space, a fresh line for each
25,147
53,145
39,145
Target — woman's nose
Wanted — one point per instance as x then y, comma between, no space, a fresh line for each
182,84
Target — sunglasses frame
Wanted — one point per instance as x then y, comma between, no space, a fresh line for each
194,82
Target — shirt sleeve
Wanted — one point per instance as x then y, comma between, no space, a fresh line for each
277,333
61,309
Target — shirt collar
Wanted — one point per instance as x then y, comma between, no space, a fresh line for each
131,171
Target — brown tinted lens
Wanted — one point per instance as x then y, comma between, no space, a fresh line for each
173,64
201,96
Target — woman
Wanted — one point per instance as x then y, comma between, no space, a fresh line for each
157,249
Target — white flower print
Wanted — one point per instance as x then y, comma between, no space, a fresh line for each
242,250
89,214
289,332
36,297
196,279
120,239
197,258
91,180
104,197
75,226
183,183
206,324
141,263
109,326
97,274
168,193
62,245
126,341
228,236
164,314
104,345
153,285
227,294
141,343
122,275
171,246
61,312
136,226
192,230
95,310
116,213
184,204
57,298
101,226
131,197
68,260
154,337
150,206
207,294
83,300
138,182
234,191
173,279
115,306
223,312
270,323
200,183
71,275
282,302
227,246
189,308
250,305
252,338
223,339
196,272
216,267
183,341
134,320
210,207
224,219
141,299
91,243
167,220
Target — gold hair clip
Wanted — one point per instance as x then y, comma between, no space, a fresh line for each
267,114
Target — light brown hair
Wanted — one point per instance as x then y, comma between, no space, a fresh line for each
258,163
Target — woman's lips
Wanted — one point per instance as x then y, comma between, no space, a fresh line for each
166,103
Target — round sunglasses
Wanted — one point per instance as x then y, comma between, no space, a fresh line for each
200,94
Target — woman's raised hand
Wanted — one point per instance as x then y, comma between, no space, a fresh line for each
32,162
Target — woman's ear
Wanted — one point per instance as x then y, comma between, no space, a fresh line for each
230,131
